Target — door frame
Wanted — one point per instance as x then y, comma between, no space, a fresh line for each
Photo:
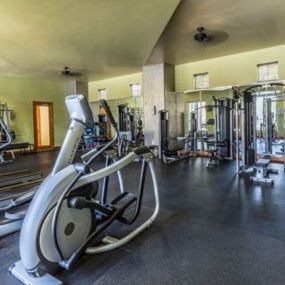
51,125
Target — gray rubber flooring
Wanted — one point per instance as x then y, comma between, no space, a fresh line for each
213,228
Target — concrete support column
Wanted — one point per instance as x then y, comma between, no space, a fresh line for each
159,94
153,101
75,87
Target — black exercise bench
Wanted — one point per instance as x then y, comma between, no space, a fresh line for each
10,148
14,146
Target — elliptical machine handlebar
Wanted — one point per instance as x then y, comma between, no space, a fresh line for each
91,155
109,113
114,124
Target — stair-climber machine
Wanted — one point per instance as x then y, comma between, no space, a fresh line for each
66,217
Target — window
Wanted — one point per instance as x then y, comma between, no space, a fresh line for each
267,71
102,94
201,81
135,89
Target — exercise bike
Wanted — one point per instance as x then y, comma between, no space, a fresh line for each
65,219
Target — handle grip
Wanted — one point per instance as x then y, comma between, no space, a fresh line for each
277,84
108,112
251,87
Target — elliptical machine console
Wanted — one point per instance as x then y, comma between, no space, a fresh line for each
53,234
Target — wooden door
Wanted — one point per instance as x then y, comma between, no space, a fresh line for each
43,126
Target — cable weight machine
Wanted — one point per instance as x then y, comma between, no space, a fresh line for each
258,167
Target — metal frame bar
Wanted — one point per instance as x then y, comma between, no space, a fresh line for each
122,241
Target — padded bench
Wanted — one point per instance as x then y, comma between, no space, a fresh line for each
14,146
212,157
262,162
10,149
262,170
214,154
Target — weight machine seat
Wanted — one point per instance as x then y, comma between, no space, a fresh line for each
142,150
212,151
16,146
221,144
210,143
209,140
262,162
212,157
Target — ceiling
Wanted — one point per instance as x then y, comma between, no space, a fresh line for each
106,38
99,38
235,25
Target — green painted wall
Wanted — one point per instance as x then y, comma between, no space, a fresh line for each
230,70
19,93
117,87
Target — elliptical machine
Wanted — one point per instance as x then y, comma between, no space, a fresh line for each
65,217
13,207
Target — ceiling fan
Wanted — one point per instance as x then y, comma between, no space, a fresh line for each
201,36
68,73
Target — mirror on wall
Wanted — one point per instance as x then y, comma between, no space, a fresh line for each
127,111
269,106
201,116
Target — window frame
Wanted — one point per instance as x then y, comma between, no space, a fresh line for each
267,64
99,93
195,76
132,85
